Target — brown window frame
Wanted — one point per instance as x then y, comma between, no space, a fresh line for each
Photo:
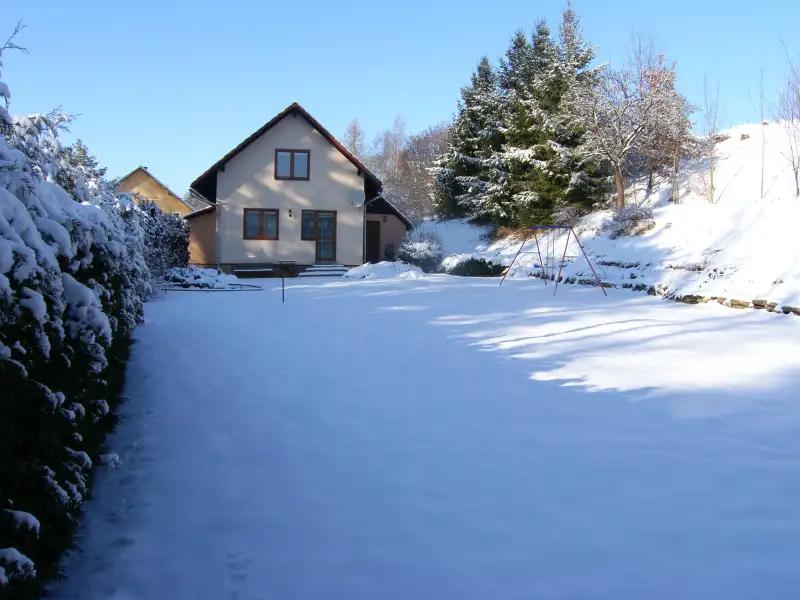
316,223
291,176
261,212
316,239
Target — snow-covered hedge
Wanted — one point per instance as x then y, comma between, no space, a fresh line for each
73,279
421,248
166,238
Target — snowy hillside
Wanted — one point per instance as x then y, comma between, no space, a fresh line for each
741,247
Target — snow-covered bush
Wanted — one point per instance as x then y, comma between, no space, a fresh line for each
384,270
193,276
475,267
72,282
633,219
166,238
421,248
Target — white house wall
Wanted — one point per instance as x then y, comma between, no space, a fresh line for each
248,181
393,230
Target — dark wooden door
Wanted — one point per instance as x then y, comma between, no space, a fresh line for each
373,241
326,236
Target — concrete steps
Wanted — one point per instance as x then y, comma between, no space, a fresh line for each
325,271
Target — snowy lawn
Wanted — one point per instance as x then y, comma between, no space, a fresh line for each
438,438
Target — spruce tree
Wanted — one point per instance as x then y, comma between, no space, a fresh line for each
470,174
532,102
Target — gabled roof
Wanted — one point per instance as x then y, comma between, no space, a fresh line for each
154,178
381,206
201,184
201,211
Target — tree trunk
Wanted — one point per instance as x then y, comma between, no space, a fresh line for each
711,199
675,166
650,183
620,187
713,163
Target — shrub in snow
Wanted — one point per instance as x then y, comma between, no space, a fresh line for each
475,267
632,219
193,276
384,270
73,279
166,238
421,248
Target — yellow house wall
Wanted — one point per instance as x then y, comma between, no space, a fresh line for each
140,183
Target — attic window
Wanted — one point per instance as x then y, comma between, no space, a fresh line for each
292,164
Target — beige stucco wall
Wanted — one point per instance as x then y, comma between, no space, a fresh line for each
392,231
140,183
203,238
248,181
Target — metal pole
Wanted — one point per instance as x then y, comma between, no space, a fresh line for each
515,258
283,285
589,262
541,262
563,258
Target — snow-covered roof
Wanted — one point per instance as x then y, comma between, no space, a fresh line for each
203,184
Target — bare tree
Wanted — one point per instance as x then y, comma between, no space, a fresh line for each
417,158
384,156
620,112
711,124
354,138
788,111
403,163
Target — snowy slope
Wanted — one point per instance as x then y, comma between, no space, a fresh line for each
743,246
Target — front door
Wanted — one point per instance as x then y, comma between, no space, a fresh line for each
326,236
373,242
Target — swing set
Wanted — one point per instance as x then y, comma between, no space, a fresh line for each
549,263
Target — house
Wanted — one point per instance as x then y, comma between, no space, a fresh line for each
292,192
142,184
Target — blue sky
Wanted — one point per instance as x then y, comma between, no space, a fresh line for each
174,85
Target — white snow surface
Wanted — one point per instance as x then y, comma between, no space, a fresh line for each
17,562
384,270
742,246
26,519
441,437
458,236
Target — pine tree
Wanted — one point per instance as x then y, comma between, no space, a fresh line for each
547,173
471,175
532,101
79,168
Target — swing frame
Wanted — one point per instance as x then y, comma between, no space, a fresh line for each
570,232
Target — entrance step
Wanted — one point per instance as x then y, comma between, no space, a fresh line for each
325,271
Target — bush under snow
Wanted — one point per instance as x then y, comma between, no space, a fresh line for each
421,248
384,270
196,277
73,279
633,219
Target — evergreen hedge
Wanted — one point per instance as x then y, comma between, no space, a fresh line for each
73,279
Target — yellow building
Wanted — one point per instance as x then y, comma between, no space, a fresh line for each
143,185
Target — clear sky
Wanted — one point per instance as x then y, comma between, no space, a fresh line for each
174,85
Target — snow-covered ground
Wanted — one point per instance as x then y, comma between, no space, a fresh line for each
441,437
743,246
